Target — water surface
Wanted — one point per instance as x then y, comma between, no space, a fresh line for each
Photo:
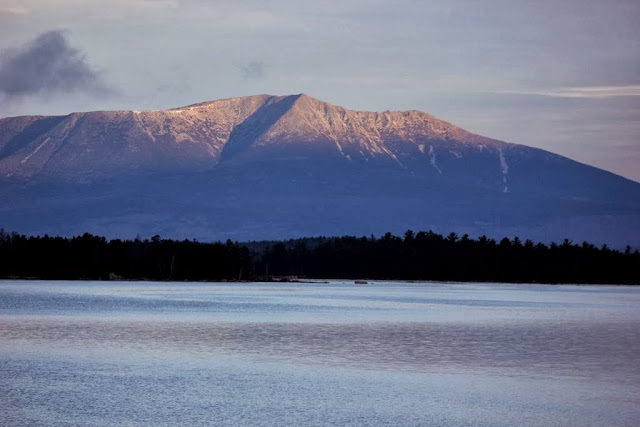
386,353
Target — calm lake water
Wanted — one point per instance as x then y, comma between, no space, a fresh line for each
386,353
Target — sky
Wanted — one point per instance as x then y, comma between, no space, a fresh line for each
561,75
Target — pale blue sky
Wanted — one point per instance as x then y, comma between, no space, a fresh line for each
561,75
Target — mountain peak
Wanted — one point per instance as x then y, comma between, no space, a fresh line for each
201,135
316,126
268,166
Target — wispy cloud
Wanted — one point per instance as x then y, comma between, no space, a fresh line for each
584,92
253,70
154,4
14,10
48,64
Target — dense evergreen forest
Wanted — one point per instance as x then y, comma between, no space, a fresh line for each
415,256
94,257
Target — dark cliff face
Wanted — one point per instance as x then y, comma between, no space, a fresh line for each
273,167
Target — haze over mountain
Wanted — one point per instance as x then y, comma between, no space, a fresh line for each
264,167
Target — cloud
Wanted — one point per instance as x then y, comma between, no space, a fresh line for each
253,70
14,10
47,65
585,92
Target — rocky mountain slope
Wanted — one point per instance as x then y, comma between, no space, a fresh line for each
285,166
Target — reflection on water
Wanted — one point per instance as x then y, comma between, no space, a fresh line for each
570,349
90,353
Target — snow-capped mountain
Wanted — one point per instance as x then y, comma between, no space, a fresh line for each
285,166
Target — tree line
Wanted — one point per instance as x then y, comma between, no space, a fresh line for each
414,256
94,257
432,256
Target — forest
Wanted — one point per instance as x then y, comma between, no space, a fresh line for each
421,256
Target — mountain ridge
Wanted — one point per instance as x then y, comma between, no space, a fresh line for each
303,119
269,166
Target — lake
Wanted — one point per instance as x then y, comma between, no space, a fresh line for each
309,354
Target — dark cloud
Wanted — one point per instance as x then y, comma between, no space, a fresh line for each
253,70
47,64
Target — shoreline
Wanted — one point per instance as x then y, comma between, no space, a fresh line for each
275,280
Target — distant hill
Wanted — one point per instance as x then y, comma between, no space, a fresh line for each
273,167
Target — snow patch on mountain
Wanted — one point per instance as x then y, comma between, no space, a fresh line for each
26,159
504,168
432,159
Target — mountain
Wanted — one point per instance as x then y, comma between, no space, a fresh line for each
266,167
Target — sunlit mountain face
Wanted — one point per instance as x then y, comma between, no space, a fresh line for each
272,167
